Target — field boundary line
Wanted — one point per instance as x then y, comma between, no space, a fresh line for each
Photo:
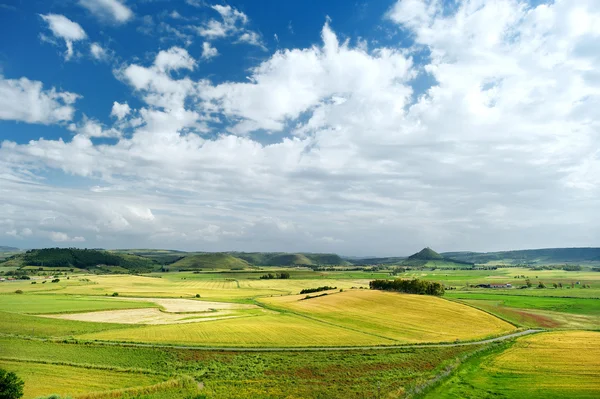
85,366
284,310
286,349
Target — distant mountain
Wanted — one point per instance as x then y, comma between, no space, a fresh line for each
8,249
376,261
426,254
427,257
530,256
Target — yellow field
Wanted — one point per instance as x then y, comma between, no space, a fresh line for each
294,286
401,317
46,379
279,330
559,358
561,364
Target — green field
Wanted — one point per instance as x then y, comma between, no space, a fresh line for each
32,304
270,313
548,365
230,375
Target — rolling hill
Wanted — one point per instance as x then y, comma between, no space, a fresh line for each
426,254
427,257
216,260
289,259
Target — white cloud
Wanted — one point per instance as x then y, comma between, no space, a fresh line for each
108,10
98,52
502,156
26,232
208,51
90,128
293,81
63,28
173,59
25,100
119,110
252,38
58,236
233,23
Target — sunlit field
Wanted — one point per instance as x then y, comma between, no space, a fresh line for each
547,365
238,309
401,317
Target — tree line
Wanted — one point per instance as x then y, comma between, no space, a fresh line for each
318,289
414,286
270,276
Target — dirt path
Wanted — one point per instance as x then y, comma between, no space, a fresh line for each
312,349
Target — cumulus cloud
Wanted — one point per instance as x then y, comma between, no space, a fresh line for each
63,28
26,101
119,110
499,150
108,10
173,59
208,51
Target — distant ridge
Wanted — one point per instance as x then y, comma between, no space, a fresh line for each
531,256
212,260
8,249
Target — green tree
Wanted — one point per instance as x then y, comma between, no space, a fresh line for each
11,386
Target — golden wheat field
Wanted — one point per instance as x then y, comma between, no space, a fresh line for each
558,364
277,330
564,355
401,317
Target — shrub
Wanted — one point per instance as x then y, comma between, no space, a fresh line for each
56,280
115,294
197,295
18,291
34,282
11,386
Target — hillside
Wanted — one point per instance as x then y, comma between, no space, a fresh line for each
289,259
8,249
215,260
426,254
427,257
531,256
81,259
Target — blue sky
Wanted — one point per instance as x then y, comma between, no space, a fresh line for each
363,128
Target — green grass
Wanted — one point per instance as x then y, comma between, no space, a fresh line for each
235,375
557,304
27,325
44,379
32,304
535,311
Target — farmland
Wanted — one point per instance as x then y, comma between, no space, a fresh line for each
556,364
85,323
